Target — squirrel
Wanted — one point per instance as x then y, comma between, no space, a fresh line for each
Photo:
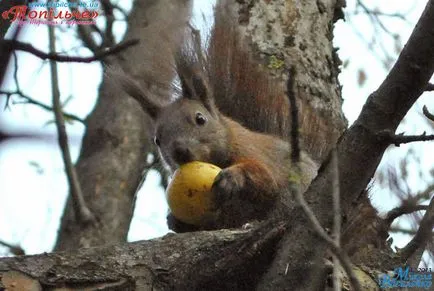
233,114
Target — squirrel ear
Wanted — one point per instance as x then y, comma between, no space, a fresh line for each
187,91
150,105
203,94
195,88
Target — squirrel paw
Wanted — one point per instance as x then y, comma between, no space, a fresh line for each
228,182
178,226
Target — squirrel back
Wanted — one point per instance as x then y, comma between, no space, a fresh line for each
233,114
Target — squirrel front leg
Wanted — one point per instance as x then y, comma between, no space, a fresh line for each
250,178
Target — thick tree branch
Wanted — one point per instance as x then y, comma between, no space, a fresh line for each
10,45
234,260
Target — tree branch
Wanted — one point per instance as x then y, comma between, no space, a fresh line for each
337,221
427,114
334,245
82,212
30,100
359,149
14,249
429,87
384,110
423,234
398,139
405,208
235,259
10,45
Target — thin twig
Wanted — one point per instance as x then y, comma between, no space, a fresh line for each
398,139
429,87
30,100
10,45
295,140
82,212
108,39
295,157
14,249
427,114
422,235
337,219
402,230
405,208
336,250
423,195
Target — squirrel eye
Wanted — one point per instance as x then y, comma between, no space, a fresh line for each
157,141
200,119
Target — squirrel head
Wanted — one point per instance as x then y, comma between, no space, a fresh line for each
189,129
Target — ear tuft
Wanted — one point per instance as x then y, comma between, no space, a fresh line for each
150,105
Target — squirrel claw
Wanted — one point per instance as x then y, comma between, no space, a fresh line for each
228,182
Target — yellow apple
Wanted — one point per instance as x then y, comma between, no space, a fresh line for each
189,193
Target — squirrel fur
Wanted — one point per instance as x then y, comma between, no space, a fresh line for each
233,114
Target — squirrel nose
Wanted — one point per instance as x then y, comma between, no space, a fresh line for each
181,152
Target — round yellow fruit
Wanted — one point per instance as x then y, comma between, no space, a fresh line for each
189,193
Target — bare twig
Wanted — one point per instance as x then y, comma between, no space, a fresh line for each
121,10
398,139
402,230
429,87
82,212
10,45
423,195
422,235
427,114
405,208
295,139
295,157
30,100
335,248
14,249
85,32
380,13
337,219
108,39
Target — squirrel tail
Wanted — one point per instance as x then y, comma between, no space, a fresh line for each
244,89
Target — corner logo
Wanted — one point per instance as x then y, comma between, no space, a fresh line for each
53,13
407,278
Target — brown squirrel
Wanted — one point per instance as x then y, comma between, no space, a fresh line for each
232,114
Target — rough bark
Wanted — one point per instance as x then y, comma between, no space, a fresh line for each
117,139
292,33
220,260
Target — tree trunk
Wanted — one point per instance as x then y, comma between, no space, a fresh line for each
117,137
